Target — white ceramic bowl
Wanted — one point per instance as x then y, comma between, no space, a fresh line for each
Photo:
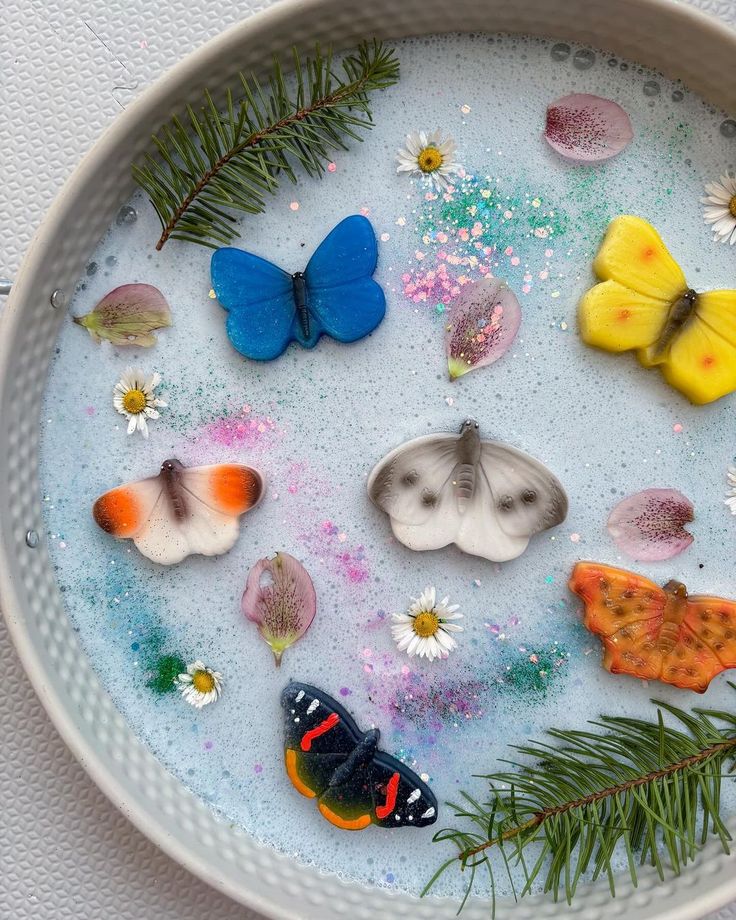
673,38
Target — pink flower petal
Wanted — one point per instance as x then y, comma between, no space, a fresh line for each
482,324
128,315
587,128
279,597
649,526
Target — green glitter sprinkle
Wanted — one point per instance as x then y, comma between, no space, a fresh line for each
166,669
534,673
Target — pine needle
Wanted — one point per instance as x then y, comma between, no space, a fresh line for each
630,787
214,162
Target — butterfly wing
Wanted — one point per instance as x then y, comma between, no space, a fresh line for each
627,612
413,485
125,511
634,255
319,734
701,361
639,282
706,643
259,298
400,797
516,497
383,792
343,298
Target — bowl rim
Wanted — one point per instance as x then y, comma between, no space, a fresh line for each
172,89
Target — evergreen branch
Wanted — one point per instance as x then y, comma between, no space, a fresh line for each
566,812
229,160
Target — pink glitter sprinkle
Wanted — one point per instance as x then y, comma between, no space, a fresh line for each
385,237
525,288
331,167
575,537
244,430
508,250
294,205
89,410
677,428
258,768
544,275
548,253
515,260
208,745
365,211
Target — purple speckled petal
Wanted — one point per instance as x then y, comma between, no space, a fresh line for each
279,597
587,128
482,324
649,526
128,315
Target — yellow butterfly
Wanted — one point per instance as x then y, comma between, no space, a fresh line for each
644,303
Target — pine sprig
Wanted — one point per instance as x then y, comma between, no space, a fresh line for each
647,790
216,161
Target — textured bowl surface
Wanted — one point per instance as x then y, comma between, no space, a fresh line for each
96,732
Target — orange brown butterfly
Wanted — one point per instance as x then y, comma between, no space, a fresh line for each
656,633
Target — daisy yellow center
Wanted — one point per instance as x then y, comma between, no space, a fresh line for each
426,624
203,681
134,401
429,159
732,206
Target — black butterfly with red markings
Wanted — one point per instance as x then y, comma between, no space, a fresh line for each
330,759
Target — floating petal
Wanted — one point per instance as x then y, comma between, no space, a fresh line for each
128,315
587,128
649,526
280,599
484,320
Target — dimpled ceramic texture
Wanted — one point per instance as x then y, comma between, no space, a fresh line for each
66,684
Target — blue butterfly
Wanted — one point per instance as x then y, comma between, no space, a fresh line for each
335,295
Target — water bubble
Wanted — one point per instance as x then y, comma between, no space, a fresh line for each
613,62
651,88
583,59
677,95
560,52
92,268
58,299
728,128
111,260
126,215
32,539
623,66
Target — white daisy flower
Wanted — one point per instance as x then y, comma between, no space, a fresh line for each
426,628
200,686
731,493
431,156
134,398
720,208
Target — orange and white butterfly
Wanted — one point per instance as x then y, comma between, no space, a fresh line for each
182,510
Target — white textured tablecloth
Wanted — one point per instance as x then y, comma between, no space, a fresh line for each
67,67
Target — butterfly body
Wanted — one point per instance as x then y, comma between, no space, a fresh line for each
656,633
182,510
328,758
486,497
643,303
335,295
